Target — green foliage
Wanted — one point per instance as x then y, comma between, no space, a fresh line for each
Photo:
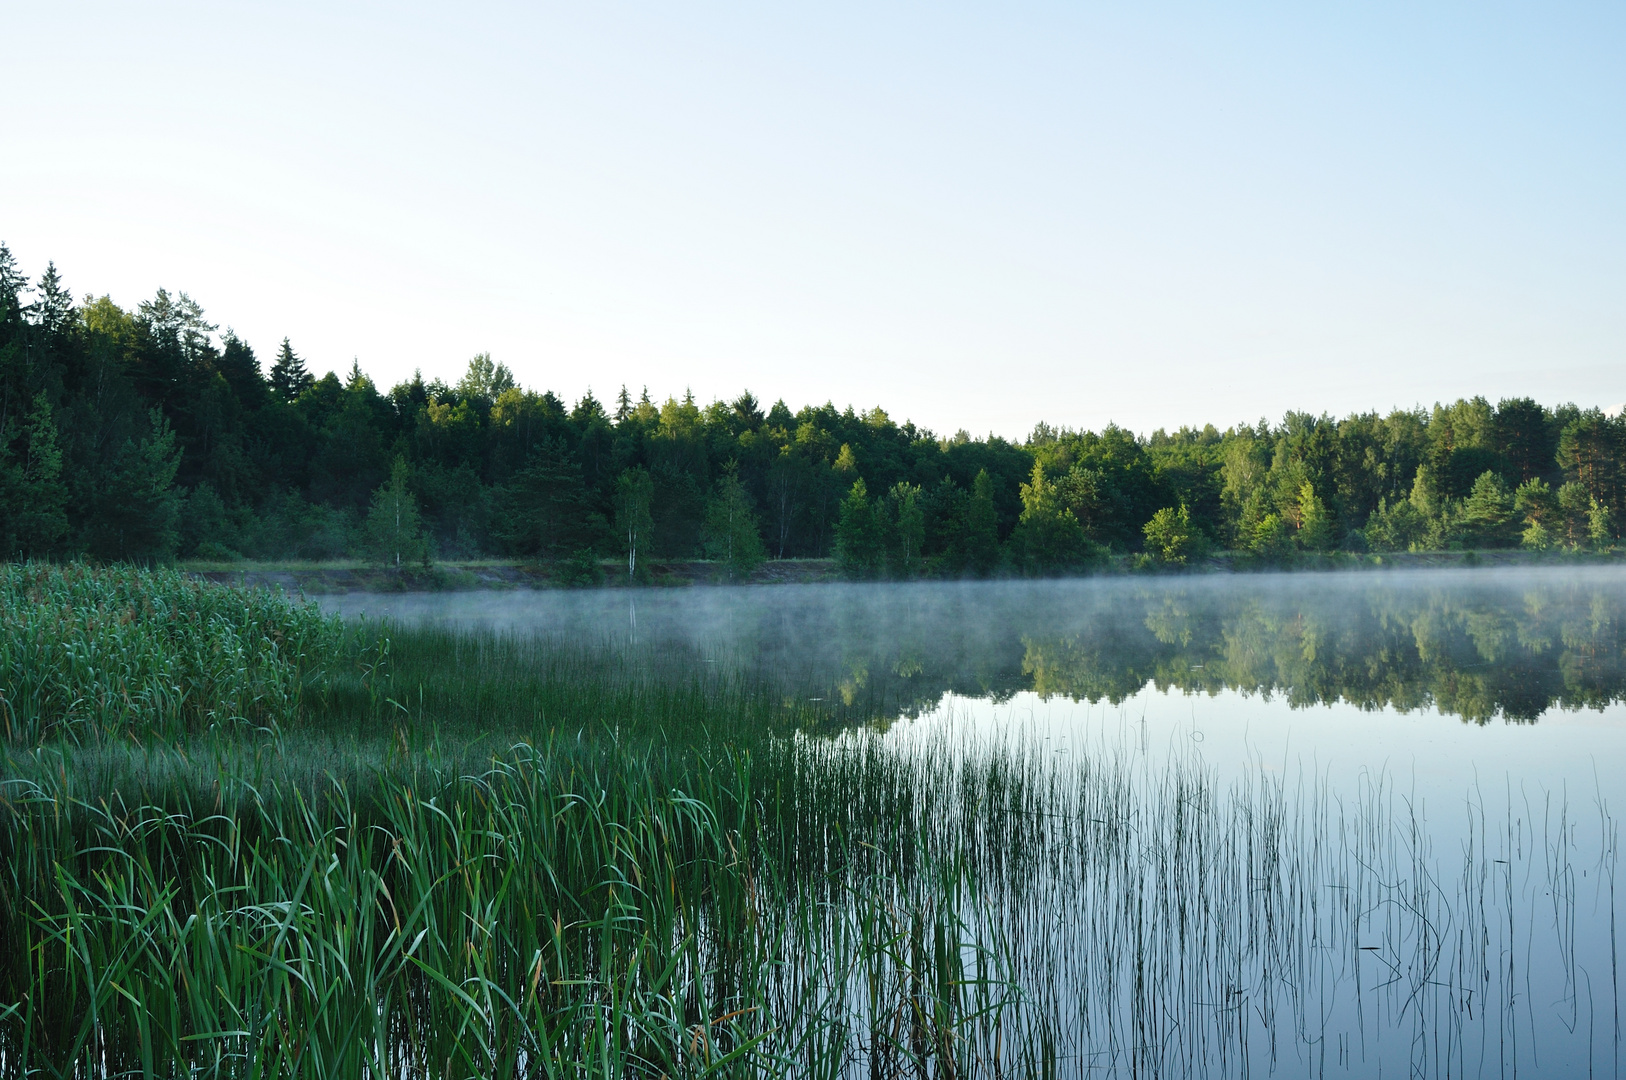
909,528
206,523
1316,528
1487,515
634,525
33,496
1575,513
580,569
860,536
1535,504
137,508
1048,538
979,535
284,463
1170,537
732,535
393,533
1600,525
545,509
1271,540
89,654
1396,526
289,379
1535,536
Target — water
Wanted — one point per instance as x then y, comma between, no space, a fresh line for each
1479,715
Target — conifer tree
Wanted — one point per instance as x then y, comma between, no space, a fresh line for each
1048,536
12,285
53,312
136,508
33,498
289,378
858,546
980,528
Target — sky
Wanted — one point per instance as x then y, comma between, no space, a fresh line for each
975,216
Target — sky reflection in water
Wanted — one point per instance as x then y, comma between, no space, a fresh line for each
1489,707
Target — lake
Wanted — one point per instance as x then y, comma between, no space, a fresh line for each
1431,760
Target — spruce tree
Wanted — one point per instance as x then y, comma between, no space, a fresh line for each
858,547
33,497
981,527
289,378
53,312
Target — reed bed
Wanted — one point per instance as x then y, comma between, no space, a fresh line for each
669,896
87,654
817,908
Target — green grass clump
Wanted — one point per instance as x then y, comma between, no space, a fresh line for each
585,907
92,653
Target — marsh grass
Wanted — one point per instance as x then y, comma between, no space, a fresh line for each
89,654
489,856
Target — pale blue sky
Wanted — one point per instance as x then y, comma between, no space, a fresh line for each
976,217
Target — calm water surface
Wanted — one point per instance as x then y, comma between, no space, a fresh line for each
1485,709
1438,677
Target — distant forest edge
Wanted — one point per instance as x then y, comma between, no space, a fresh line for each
146,435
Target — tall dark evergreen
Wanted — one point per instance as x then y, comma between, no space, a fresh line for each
288,376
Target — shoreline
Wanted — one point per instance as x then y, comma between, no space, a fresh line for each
317,578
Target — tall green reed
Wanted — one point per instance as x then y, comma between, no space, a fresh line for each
90,653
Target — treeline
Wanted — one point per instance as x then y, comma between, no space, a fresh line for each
147,435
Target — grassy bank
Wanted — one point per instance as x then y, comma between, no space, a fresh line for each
443,855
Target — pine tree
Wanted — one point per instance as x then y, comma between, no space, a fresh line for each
1574,507
1487,513
1536,505
289,378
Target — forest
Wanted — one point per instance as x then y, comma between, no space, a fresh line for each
149,435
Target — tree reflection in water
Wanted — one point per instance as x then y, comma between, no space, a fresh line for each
1478,644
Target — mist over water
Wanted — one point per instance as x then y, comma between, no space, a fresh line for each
1485,710
1440,679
